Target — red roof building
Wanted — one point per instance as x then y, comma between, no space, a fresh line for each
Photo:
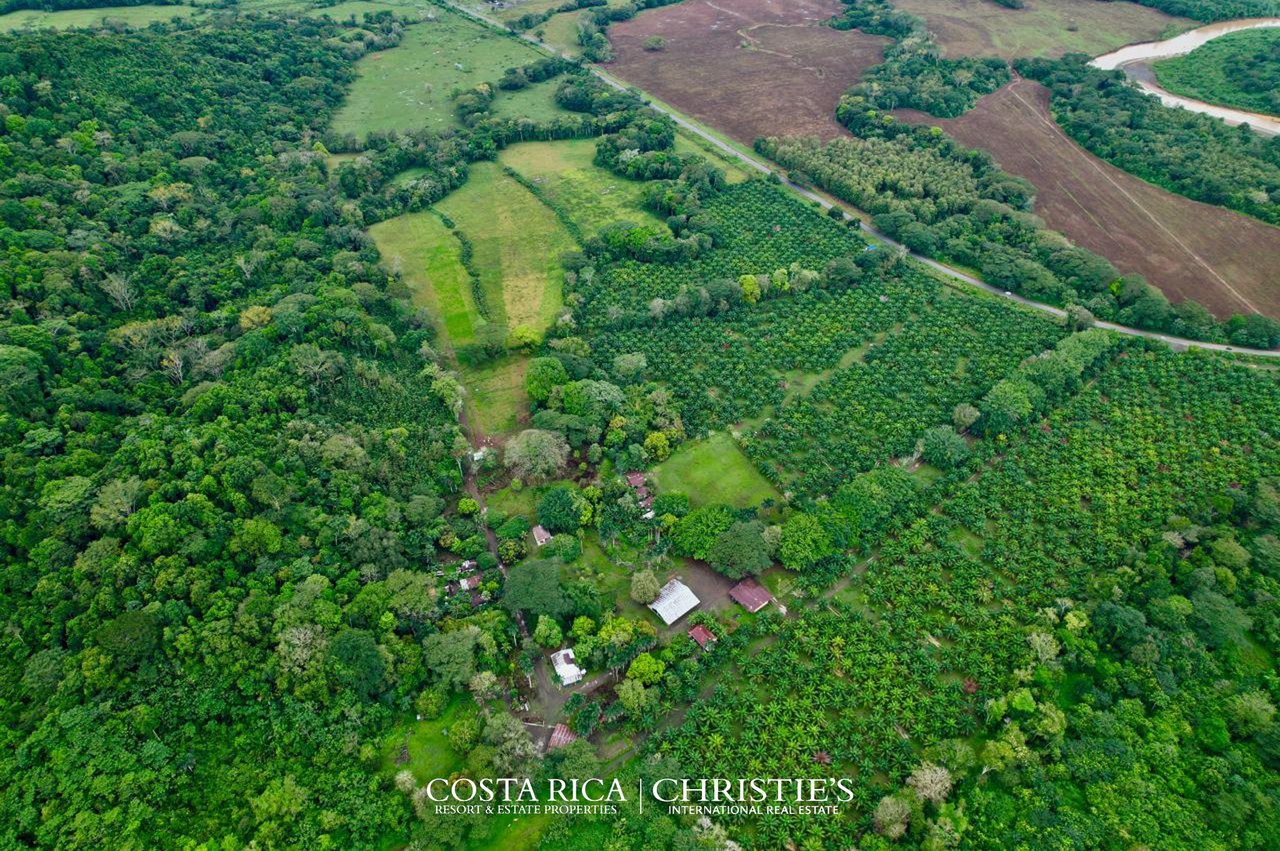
751,595
560,737
541,536
636,480
702,635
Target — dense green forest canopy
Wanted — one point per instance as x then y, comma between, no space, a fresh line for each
215,421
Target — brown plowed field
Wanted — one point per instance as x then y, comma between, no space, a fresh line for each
1226,261
747,67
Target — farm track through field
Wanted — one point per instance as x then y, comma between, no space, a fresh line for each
1057,131
953,275
1222,259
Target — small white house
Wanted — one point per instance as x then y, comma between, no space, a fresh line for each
541,536
567,666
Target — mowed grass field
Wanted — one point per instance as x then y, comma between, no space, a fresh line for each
1224,260
495,394
517,241
713,470
428,257
1042,27
409,86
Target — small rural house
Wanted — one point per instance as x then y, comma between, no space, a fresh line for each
751,595
567,666
560,737
675,600
702,636
541,536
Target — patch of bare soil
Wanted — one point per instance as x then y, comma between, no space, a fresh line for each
1228,262
747,67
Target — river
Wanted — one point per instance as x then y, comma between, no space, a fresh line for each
1135,60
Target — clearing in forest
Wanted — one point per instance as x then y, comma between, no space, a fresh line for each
495,394
749,68
1041,28
427,255
713,470
517,244
1224,260
565,175
409,86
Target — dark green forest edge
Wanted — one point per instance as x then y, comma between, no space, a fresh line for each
233,493
59,5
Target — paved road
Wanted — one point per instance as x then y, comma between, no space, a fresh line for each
1180,344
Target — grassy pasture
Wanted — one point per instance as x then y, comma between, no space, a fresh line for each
133,16
430,756
561,33
428,257
593,196
713,470
338,11
495,394
537,102
1041,28
512,11
518,242
429,752
142,15
409,86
